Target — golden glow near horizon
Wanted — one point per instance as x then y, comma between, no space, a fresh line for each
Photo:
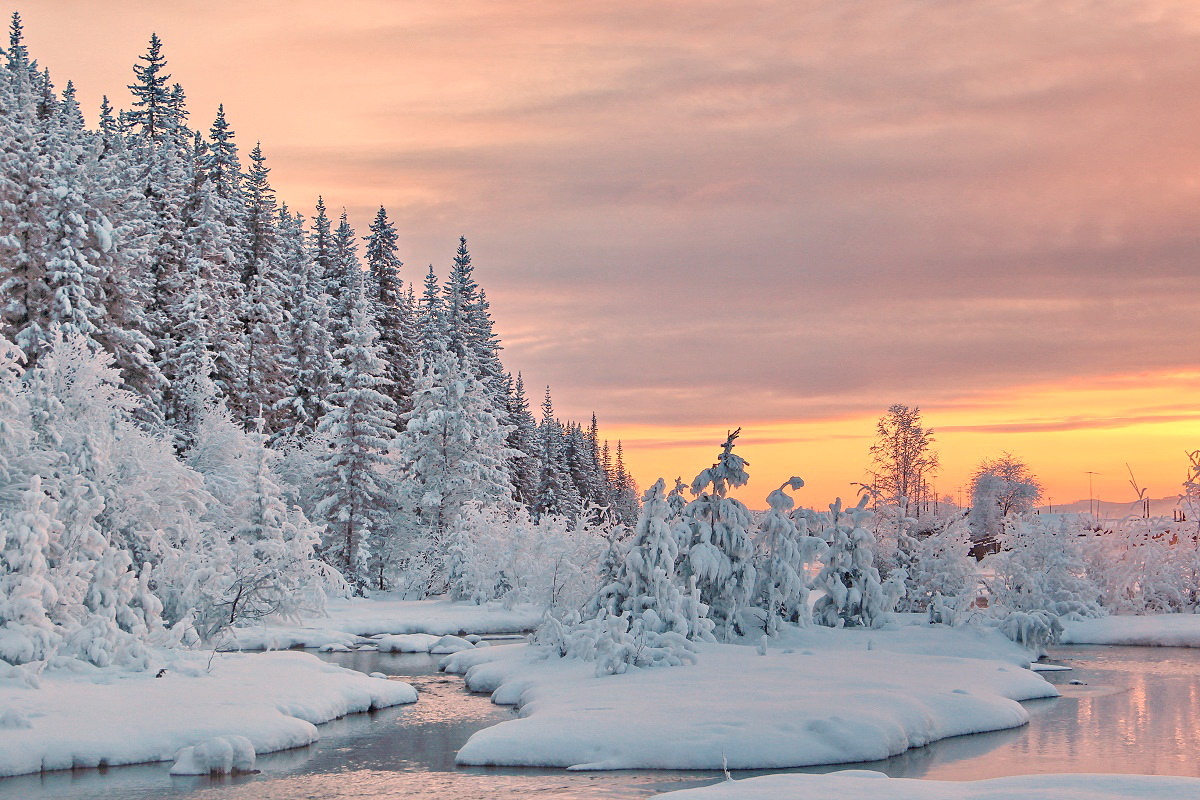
1062,431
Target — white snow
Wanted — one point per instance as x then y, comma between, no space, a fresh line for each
423,643
92,716
867,785
220,755
834,701
1153,630
348,621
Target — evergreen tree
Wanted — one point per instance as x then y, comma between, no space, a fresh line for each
153,108
556,494
785,550
854,595
353,470
454,453
391,311
523,441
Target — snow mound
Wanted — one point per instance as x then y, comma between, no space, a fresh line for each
220,755
737,708
88,717
864,785
423,643
1152,630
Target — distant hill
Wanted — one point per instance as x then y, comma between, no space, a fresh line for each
1162,506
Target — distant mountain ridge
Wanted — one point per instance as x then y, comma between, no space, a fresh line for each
1162,506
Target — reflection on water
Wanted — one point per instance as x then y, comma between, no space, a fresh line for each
1136,712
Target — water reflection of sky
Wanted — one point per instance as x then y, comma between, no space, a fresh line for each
1135,712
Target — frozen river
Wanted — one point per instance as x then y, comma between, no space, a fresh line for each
1133,710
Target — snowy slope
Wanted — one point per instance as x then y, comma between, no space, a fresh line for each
97,717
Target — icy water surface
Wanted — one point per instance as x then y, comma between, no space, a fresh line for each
1136,711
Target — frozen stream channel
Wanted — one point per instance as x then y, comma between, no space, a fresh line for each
1136,712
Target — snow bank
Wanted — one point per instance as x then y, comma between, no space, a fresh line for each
833,702
425,643
1152,630
105,717
349,621
864,785
220,755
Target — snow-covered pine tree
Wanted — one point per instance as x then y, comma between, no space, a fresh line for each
153,110
391,310
262,312
720,554
854,596
525,466
308,363
453,451
343,282
431,321
556,494
355,469
785,552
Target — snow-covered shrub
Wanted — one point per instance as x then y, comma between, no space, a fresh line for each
1041,567
502,554
614,642
1033,630
259,555
854,595
942,576
785,551
645,587
1141,566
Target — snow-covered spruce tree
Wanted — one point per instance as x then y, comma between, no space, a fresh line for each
651,590
308,363
343,282
262,311
525,466
720,553
1041,568
453,451
853,596
355,470
784,552
556,494
391,310
623,490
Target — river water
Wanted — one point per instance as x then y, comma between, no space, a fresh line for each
1131,709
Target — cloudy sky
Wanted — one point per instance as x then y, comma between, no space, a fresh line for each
781,215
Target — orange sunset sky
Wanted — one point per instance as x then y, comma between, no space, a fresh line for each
690,216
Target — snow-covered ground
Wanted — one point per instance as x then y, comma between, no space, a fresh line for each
864,785
820,697
92,717
349,621
1153,630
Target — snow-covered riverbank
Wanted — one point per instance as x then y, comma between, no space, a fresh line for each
348,622
826,697
1151,630
863,785
90,717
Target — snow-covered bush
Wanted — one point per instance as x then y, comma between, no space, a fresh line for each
854,595
1041,567
502,554
785,552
